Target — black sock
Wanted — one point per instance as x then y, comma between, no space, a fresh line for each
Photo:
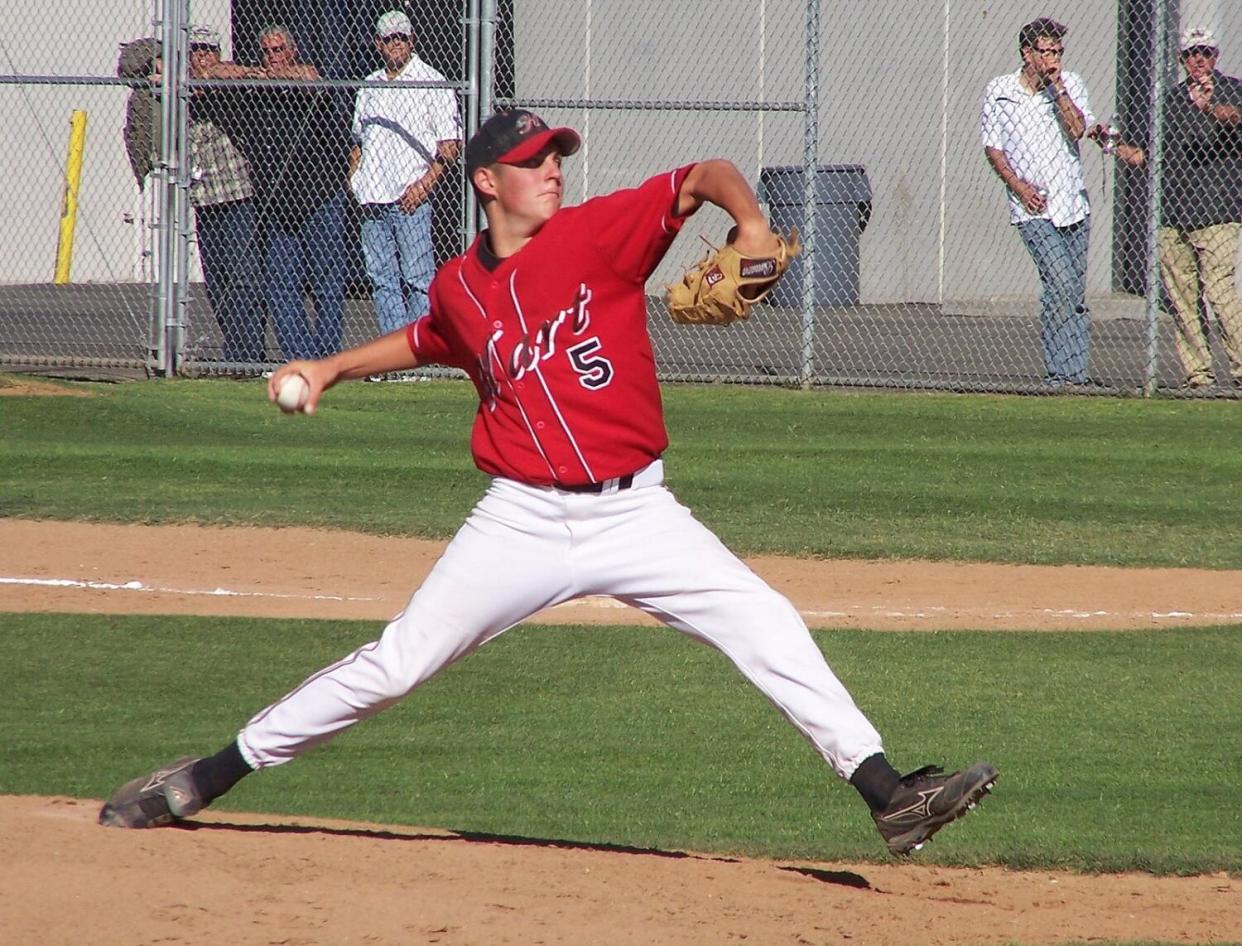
876,781
216,774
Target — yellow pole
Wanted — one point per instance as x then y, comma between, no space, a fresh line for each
69,205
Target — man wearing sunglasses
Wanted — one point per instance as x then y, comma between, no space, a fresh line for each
404,140
1031,125
1201,205
279,51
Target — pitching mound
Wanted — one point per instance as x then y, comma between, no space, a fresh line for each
243,879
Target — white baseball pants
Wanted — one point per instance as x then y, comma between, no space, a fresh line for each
525,548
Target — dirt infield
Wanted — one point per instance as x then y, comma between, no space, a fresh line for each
228,878
65,566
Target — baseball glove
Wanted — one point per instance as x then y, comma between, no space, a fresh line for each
723,286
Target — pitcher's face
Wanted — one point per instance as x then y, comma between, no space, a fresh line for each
530,191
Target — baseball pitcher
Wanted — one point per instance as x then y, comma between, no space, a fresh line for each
547,313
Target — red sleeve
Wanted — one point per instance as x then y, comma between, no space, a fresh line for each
425,338
425,342
634,228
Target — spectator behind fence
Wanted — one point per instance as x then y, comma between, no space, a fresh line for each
139,60
224,214
1201,206
295,138
1031,124
404,139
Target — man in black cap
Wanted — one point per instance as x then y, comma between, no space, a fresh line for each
547,314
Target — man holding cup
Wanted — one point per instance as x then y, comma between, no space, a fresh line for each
1031,124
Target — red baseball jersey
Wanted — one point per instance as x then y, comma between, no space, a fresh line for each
555,339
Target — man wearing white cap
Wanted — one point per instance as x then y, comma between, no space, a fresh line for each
1201,205
405,138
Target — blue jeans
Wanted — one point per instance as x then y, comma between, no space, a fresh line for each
1060,255
311,252
398,253
228,250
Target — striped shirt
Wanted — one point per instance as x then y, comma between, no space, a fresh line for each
219,173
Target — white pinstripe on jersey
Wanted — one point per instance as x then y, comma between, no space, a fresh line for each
517,306
500,372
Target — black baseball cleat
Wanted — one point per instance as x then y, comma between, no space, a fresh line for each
927,800
160,798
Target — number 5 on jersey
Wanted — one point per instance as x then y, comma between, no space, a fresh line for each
594,370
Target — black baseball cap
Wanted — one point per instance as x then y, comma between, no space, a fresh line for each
513,136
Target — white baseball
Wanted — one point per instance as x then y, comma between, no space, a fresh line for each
292,394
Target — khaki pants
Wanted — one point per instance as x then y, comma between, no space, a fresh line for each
1202,262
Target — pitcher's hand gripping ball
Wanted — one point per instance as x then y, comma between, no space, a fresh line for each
723,286
292,394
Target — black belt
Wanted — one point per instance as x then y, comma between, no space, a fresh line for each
623,482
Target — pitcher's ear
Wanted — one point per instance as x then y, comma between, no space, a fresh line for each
484,180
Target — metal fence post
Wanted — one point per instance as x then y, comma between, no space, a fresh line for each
173,49
181,193
155,337
471,106
810,161
484,34
1159,60
487,58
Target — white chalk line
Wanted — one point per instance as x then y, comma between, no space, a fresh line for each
1017,613
937,612
604,603
86,585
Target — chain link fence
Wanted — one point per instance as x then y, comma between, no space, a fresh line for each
211,187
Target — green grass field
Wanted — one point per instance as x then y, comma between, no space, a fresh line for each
1118,750
638,737
1040,480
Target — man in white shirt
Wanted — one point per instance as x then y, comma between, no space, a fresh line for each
404,138
1031,126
